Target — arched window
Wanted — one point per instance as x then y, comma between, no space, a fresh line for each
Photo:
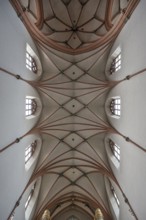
116,64
31,63
115,149
115,106
29,151
30,106
114,195
72,218
30,196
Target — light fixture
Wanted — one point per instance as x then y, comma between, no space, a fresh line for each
98,215
46,215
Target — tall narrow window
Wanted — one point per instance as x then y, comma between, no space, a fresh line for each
30,196
29,151
115,149
30,107
114,194
31,63
116,64
115,106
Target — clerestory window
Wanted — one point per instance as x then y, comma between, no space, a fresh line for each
115,106
29,151
31,63
116,64
30,106
115,195
30,196
115,149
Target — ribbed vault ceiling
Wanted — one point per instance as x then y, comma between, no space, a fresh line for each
73,123
73,89
74,26
74,23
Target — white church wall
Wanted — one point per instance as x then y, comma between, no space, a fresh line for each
13,123
131,173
